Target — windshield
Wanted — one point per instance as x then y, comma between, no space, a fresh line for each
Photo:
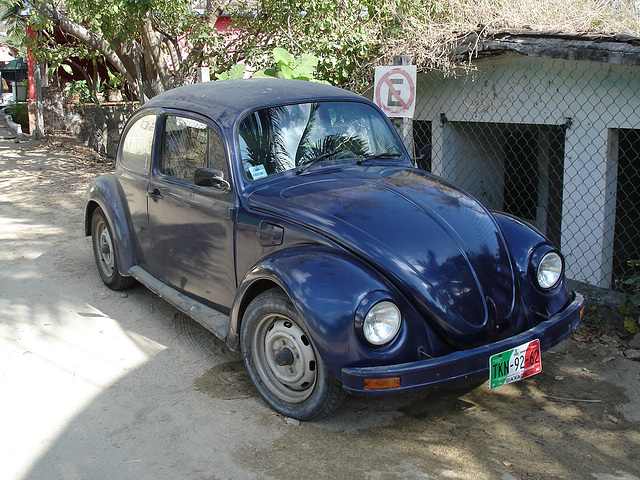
290,137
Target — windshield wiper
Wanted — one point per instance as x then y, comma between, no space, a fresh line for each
318,159
377,156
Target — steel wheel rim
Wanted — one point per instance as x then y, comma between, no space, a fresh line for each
293,382
104,247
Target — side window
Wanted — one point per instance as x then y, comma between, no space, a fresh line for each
189,144
137,144
217,157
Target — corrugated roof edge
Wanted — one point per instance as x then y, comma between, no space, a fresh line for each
621,49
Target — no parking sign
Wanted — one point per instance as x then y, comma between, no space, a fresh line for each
395,90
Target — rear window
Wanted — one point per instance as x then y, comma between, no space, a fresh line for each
137,144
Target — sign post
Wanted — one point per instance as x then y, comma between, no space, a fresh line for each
395,90
395,94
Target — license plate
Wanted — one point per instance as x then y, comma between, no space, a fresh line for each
515,364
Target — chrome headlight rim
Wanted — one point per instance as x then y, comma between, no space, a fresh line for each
372,330
548,268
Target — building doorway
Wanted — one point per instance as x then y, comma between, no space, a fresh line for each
626,245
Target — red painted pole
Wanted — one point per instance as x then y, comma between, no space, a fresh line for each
34,105
30,65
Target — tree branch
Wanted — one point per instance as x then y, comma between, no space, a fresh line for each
172,45
85,36
212,13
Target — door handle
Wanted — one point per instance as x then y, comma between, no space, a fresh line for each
155,194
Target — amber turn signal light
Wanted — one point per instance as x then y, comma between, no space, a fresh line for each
381,383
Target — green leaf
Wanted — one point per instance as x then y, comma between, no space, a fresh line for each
67,68
304,67
287,72
632,325
281,56
306,61
237,71
265,73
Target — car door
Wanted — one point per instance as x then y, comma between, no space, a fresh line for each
191,226
133,171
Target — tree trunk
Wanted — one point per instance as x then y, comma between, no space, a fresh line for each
155,64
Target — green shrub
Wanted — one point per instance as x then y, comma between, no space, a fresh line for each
285,66
79,88
20,114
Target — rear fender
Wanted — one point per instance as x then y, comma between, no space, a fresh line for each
328,288
105,192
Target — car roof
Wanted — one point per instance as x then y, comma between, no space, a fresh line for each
224,100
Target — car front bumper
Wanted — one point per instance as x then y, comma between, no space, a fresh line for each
462,364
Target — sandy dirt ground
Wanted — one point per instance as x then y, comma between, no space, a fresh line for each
96,384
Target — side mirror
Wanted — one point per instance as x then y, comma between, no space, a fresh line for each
208,177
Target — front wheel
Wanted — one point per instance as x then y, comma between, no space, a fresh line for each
283,362
105,253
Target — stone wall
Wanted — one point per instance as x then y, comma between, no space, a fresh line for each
99,127
96,126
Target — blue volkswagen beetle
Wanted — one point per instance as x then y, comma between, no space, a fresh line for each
288,219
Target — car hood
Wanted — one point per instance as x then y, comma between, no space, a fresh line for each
436,243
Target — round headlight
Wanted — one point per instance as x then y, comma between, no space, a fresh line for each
549,270
381,323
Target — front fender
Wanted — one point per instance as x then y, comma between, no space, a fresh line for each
105,192
328,286
522,238
525,242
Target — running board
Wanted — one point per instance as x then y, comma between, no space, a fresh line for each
214,321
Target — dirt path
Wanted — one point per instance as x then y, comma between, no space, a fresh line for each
97,384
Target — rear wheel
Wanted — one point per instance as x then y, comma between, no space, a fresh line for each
283,362
104,251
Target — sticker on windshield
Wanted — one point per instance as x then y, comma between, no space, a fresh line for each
257,172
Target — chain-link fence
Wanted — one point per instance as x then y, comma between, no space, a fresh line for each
555,142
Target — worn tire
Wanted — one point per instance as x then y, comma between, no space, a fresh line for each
283,362
104,251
